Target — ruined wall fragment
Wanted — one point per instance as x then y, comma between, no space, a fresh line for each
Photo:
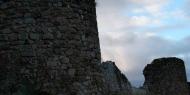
116,82
166,76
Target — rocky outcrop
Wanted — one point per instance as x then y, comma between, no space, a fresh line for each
117,83
51,47
166,76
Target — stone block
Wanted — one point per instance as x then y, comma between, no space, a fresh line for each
6,31
27,51
3,37
71,72
34,36
48,36
64,60
13,37
22,36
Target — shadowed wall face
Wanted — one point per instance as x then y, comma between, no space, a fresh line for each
189,86
116,82
166,76
50,45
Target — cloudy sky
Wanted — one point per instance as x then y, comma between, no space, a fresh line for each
134,32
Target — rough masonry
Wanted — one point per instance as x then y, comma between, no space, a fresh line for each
116,82
166,76
49,47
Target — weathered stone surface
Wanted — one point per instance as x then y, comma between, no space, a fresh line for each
140,91
34,36
166,76
117,83
51,47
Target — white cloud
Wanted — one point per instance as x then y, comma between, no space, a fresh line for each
152,7
142,21
114,14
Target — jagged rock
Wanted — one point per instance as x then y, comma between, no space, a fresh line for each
166,76
116,82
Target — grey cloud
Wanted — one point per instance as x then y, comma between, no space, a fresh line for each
109,6
186,7
130,47
127,38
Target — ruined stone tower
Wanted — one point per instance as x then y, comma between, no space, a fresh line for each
166,76
49,47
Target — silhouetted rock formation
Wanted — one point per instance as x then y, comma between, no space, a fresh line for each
117,83
166,76
51,47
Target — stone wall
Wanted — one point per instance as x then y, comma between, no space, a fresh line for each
166,76
49,47
117,83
